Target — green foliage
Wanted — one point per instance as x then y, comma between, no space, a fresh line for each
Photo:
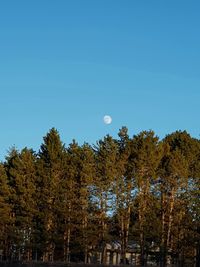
65,202
5,207
20,169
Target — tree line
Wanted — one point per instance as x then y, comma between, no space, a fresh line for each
63,202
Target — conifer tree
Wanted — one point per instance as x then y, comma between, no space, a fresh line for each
106,161
20,167
68,203
6,220
82,174
177,173
50,173
174,169
123,189
146,153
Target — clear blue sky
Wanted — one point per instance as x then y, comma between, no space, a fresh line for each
65,64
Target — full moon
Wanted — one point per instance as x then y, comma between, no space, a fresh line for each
107,119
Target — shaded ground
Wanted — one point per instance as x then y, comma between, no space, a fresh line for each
47,264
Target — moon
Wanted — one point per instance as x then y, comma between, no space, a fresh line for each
107,119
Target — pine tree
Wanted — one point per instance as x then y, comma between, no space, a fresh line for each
50,174
81,163
5,213
20,167
177,172
123,189
146,153
106,161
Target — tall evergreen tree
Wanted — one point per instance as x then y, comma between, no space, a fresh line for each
50,172
177,173
106,152
6,220
82,175
174,169
146,153
20,167
123,189
67,203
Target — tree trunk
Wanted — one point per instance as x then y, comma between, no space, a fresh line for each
162,245
198,250
198,256
123,253
104,227
142,257
142,261
142,213
171,208
67,236
85,238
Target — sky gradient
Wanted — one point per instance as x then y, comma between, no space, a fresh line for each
65,64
